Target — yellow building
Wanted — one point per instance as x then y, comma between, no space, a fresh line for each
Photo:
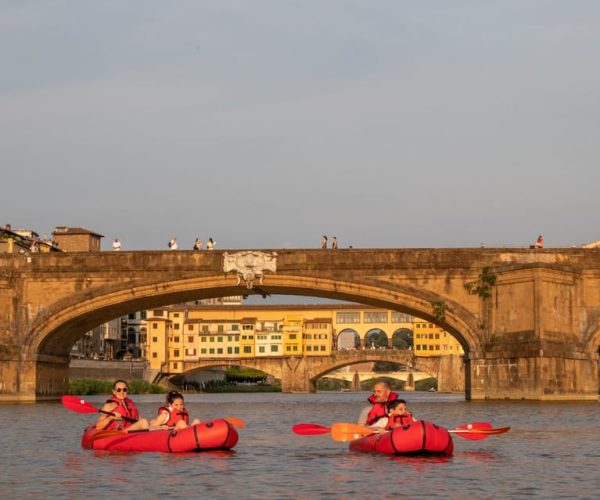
292,335
187,333
430,340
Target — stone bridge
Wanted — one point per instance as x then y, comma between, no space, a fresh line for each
300,373
528,320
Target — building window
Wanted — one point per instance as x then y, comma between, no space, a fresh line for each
190,352
190,327
176,353
154,339
204,328
376,317
211,339
308,348
176,315
247,349
203,350
219,350
398,317
322,348
261,348
292,336
347,317
155,355
176,339
202,339
230,350
235,328
274,348
236,350
211,350
154,326
219,339
220,328
190,339
248,327
175,366
176,326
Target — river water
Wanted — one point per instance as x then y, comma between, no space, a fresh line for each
552,451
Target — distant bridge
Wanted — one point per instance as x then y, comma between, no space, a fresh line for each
300,373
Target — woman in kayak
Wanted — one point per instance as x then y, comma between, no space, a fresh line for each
173,413
120,412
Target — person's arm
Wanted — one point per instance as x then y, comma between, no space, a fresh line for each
103,419
161,420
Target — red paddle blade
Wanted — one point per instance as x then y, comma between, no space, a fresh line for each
310,429
475,425
78,405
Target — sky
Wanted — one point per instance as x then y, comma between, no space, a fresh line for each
266,124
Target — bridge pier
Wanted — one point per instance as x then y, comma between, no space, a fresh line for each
33,380
567,377
295,377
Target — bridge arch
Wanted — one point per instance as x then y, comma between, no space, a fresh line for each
348,338
56,329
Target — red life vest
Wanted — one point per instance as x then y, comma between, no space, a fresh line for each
379,410
175,415
399,420
126,408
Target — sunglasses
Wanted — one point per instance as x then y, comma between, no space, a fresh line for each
121,389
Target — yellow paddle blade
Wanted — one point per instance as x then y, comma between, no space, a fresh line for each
342,431
236,422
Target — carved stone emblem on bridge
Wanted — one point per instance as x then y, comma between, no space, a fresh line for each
250,265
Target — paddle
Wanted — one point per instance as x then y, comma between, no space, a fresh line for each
342,431
78,405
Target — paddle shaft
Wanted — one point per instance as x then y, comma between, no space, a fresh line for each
127,419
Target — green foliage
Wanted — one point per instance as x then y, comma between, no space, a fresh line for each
396,385
439,309
377,338
137,386
403,339
332,384
386,366
426,384
86,387
243,374
483,286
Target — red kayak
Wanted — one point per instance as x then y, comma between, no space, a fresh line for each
416,438
210,435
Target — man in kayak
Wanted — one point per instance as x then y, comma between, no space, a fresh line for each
122,411
382,395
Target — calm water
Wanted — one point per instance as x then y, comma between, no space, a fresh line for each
552,451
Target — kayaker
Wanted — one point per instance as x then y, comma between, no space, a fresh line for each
174,413
119,405
381,397
398,414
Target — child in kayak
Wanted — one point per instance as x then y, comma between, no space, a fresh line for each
173,413
398,414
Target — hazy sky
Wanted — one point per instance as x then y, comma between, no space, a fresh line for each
266,124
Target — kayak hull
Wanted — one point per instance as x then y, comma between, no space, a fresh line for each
211,435
416,438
